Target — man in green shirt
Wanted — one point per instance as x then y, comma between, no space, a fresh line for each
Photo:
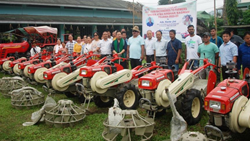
207,50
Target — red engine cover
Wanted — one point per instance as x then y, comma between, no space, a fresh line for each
226,93
155,77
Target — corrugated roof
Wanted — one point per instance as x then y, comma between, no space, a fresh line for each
39,19
105,4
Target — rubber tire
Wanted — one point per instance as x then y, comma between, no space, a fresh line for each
186,107
101,104
69,94
159,114
81,98
121,94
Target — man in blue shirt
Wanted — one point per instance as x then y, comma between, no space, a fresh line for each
228,52
244,53
219,42
174,51
135,48
150,23
213,33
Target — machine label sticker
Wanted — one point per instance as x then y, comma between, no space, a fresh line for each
159,78
220,92
37,67
216,96
98,69
233,97
55,72
27,63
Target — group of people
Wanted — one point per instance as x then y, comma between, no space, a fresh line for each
219,50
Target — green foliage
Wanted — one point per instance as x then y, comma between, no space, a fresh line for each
219,24
166,2
232,12
246,17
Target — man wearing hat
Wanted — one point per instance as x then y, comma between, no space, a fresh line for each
207,50
135,48
35,49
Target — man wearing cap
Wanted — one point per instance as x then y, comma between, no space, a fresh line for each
207,50
35,49
135,48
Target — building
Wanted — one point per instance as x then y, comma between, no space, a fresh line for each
243,4
80,17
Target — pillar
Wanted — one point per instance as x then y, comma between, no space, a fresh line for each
94,29
61,32
121,27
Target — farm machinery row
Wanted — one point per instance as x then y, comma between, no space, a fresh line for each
150,85
146,85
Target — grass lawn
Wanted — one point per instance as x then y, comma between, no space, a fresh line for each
90,129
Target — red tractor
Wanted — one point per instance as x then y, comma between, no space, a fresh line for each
188,91
36,71
228,104
6,65
44,35
12,66
23,67
83,60
110,80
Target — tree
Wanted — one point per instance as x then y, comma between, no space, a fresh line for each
232,12
224,13
246,17
165,2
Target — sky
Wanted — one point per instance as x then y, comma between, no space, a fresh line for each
207,5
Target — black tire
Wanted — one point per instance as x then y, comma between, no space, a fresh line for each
158,114
81,98
99,102
69,94
186,108
123,92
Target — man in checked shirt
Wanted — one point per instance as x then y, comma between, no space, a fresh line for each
70,45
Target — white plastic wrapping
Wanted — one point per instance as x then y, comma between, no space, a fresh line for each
178,124
38,115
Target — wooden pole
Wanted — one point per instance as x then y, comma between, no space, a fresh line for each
133,14
215,21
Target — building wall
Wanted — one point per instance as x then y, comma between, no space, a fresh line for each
242,1
62,11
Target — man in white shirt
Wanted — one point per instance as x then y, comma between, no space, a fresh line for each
105,45
160,47
192,42
149,47
35,49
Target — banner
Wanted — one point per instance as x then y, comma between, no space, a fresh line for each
166,17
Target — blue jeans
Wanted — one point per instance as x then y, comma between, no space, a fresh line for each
195,64
176,66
